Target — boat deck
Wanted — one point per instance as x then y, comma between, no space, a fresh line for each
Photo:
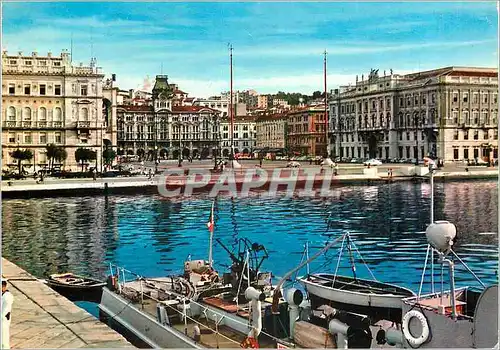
224,338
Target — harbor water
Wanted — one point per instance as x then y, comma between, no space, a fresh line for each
152,236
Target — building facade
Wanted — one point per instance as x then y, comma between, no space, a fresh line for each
449,113
271,131
306,131
47,100
167,128
243,135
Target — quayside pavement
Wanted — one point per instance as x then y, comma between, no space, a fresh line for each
42,318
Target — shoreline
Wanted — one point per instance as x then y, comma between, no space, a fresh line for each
143,185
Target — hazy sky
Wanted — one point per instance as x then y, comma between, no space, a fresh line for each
277,46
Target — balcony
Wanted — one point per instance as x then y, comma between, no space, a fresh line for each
32,125
83,124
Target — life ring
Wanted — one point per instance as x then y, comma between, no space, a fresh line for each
415,342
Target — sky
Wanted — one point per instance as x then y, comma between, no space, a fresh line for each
278,46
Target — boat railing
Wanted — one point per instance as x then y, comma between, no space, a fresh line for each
217,317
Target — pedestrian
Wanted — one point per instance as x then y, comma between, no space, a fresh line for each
336,169
150,173
7,301
94,174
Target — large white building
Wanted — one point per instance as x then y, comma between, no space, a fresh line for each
244,135
450,113
47,99
167,127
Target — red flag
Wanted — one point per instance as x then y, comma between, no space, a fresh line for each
210,223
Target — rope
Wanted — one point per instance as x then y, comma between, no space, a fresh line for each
423,272
363,260
338,261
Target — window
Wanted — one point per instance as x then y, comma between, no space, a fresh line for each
43,138
495,97
455,116
466,153
42,116
495,134
433,98
26,113
27,138
12,89
466,135
11,113
455,135
400,136
475,99
485,98
43,88
455,97
85,114
485,135
408,138
476,135
12,137
57,90
475,117
42,63
13,62
83,90
27,89
424,100
466,97
57,114
58,137
57,64
28,63
455,154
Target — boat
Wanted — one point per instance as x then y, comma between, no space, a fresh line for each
76,287
375,299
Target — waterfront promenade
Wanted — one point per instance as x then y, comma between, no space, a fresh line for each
347,174
42,318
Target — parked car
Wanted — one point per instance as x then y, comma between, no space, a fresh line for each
373,162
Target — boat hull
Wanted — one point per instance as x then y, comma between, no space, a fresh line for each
142,325
376,305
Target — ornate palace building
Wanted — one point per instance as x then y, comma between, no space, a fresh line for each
168,125
450,113
45,99
306,131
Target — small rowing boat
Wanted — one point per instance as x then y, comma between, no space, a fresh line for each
76,287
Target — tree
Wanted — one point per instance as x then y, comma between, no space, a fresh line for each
108,155
51,154
84,154
20,155
60,155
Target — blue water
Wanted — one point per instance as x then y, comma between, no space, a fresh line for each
152,236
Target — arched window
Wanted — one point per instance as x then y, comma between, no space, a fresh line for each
43,114
381,120
85,114
11,113
57,114
401,120
26,113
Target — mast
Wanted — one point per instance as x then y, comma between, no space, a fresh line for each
231,112
326,108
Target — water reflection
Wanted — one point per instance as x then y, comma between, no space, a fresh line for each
152,236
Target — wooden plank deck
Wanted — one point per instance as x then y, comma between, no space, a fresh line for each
42,318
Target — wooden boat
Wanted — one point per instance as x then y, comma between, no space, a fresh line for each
356,295
75,287
74,282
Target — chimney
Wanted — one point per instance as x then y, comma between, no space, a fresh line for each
34,54
20,53
49,54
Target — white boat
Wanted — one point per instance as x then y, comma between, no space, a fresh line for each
356,295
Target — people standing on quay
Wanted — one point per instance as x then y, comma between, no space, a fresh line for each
7,301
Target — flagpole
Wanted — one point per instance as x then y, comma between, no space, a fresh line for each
210,261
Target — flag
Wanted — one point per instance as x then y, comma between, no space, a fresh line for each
210,223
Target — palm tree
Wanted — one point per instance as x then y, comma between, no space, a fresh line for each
60,154
20,155
109,155
51,153
84,154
